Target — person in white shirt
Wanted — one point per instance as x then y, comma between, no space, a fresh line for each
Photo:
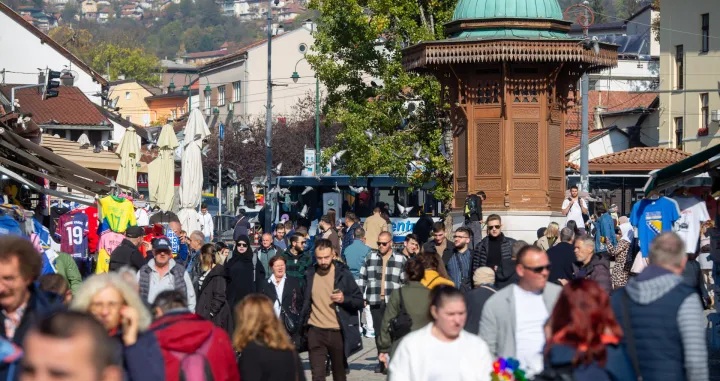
442,350
141,215
574,207
206,223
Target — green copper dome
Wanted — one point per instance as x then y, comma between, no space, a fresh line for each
525,9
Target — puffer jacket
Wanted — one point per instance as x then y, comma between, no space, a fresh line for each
598,270
480,254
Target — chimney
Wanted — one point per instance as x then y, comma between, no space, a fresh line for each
598,123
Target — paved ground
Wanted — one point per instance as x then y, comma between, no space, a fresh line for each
362,364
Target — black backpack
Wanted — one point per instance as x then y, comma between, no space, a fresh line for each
470,206
401,324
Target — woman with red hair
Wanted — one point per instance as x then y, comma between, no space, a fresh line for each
583,337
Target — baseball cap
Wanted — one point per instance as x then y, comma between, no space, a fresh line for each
161,244
134,232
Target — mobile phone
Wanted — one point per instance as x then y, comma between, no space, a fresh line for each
336,291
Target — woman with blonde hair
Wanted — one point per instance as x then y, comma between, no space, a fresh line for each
212,300
550,238
265,350
118,307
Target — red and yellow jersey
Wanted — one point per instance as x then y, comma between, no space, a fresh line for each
117,213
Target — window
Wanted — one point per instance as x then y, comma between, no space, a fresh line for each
679,135
704,111
679,61
236,91
705,33
221,96
173,114
127,95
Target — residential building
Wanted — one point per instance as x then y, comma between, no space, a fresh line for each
32,49
132,11
168,106
105,14
89,9
689,76
68,115
179,74
128,96
200,58
238,79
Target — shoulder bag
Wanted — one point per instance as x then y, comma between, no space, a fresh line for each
290,321
401,324
627,326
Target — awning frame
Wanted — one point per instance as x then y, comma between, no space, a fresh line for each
685,169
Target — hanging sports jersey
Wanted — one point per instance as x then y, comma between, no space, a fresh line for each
73,231
55,213
92,213
653,217
118,213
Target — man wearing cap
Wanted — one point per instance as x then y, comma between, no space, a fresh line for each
128,252
163,273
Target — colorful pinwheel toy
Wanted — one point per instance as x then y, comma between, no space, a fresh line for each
507,370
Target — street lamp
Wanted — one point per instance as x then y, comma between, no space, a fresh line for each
295,76
171,86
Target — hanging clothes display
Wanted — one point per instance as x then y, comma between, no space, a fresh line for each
57,210
73,231
92,214
693,212
117,213
108,242
652,217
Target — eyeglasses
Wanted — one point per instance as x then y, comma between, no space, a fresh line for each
242,245
539,269
382,243
493,227
460,236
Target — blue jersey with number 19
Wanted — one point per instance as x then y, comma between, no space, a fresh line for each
118,213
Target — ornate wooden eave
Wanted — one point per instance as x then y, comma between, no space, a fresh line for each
461,51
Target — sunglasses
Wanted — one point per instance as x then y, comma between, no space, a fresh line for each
382,243
242,245
493,227
539,269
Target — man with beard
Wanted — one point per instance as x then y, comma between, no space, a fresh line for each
330,311
297,259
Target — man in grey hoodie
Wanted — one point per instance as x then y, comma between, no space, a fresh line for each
662,318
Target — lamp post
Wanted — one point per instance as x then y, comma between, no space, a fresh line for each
295,76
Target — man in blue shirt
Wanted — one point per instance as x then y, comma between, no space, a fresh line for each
356,252
460,264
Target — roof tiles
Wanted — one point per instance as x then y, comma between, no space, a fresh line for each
70,107
643,158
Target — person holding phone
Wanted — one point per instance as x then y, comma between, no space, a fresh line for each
574,207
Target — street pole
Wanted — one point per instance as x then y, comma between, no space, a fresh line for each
317,125
219,189
584,182
268,124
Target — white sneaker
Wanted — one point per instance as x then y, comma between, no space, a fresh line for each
370,335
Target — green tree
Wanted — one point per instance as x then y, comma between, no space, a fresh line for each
197,39
70,10
358,40
133,63
209,13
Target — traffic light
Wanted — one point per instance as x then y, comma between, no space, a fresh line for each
52,84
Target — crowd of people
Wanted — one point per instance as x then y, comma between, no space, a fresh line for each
176,306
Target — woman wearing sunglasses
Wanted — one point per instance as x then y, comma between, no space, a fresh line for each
246,275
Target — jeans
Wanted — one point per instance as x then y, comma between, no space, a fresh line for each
324,342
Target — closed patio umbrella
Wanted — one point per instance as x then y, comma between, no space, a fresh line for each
161,176
129,152
191,179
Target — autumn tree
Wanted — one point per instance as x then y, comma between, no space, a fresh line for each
357,55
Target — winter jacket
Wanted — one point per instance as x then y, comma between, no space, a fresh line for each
127,254
151,284
40,305
257,362
668,325
476,300
605,226
416,355
617,365
349,237
347,312
264,256
562,257
598,270
186,333
480,255
212,301
65,265
445,255
416,298
293,294
296,265
433,279
142,361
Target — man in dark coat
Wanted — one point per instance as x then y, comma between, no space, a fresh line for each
245,272
423,227
495,248
440,244
330,313
128,253
590,265
562,257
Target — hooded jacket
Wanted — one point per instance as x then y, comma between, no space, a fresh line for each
245,272
598,270
347,312
180,333
668,324
212,300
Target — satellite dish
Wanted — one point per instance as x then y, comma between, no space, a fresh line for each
114,102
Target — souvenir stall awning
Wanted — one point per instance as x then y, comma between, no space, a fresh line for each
18,155
683,170
86,157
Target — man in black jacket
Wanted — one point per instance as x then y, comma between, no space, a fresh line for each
127,253
440,243
330,313
494,248
562,257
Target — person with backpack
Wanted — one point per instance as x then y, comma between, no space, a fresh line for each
583,337
406,311
245,272
473,216
382,274
265,350
192,347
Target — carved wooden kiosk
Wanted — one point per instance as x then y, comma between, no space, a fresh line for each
509,79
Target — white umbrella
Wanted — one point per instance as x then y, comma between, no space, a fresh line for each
192,174
161,176
129,152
